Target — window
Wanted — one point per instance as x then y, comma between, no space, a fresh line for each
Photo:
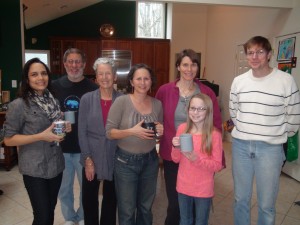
150,19
43,55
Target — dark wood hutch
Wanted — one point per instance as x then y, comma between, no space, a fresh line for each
153,52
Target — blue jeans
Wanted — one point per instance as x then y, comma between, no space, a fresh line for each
263,160
43,197
135,181
202,208
66,193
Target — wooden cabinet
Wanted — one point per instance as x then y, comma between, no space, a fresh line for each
58,46
153,52
108,44
156,54
92,52
56,56
147,54
161,62
123,45
10,156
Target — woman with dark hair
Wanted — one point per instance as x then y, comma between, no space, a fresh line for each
136,159
29,124
175,97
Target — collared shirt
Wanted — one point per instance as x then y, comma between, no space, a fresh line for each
39,159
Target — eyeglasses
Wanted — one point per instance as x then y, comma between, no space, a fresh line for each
71,61
200,109
258,53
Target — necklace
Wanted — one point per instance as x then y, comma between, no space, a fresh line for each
185,101
186,92
106,96
105,103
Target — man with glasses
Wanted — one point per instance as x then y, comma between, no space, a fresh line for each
265,108
69,90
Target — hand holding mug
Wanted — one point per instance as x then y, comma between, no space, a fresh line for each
151,127
190,155
176,142
186,142
159,128
68,128
139,131
49,136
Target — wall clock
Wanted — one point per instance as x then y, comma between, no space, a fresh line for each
107,30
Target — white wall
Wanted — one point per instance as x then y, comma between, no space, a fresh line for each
225,28
188,31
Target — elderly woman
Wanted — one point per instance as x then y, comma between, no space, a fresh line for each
175,97
136,161
97,152
29,125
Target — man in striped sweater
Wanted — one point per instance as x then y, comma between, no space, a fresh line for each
265,108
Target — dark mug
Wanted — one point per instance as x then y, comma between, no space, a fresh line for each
150,126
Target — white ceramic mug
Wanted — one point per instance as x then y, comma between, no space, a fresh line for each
70,116
186,142
59,128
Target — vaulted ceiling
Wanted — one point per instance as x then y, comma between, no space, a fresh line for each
40,11
37,12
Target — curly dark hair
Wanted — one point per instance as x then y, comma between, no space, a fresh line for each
131,74
25,88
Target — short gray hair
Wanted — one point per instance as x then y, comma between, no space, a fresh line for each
75,51
108,61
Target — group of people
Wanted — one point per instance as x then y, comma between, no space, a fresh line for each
109,143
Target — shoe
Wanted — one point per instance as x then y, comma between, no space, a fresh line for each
69,223
1,192
81,222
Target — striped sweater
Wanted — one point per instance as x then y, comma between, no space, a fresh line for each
265,109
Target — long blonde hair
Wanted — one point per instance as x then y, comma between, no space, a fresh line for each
208,125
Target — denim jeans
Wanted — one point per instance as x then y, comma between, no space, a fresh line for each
135,181
186,206
43,197
264,161
66,193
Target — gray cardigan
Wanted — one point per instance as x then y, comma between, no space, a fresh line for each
38,159
91,134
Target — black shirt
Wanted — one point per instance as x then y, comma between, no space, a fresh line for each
69,94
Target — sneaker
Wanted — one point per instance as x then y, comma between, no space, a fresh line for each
69,223
81,222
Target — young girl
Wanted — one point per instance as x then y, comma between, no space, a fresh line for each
195,180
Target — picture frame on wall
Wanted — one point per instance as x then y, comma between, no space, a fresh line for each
285,67
286,49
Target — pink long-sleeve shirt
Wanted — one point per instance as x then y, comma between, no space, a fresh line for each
196,178
168,94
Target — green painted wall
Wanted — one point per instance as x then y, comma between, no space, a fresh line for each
10,44
82,23
86,23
